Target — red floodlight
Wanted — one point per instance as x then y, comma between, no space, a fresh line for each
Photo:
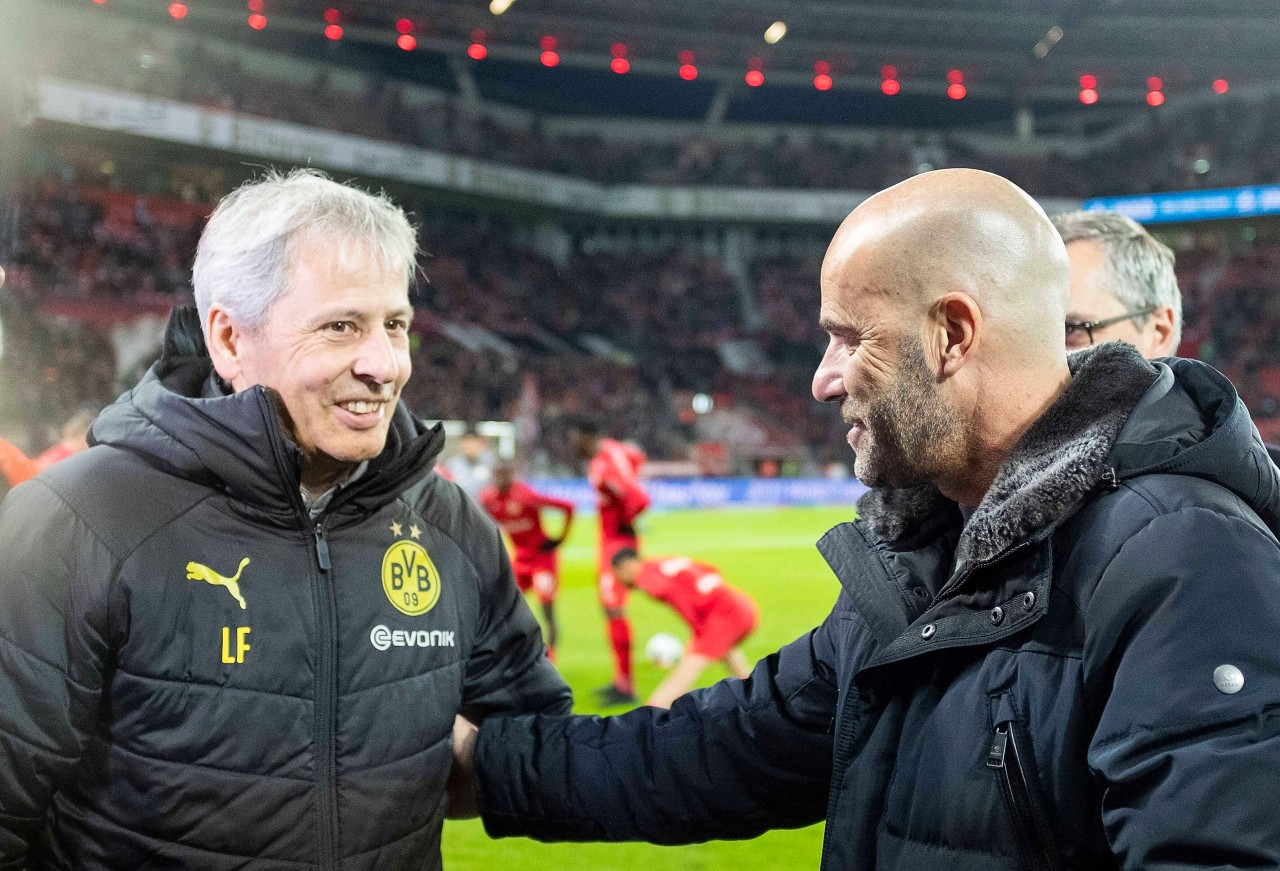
688,72
177,11
955,77
620,65
1220,86
258,22
255,5
822,82
888,71
1155,98
332,16
1088,96
407,42
547,43
404,25
822,68
477,51
549,58
956,91
100,2
755,78
686,57
333,32
1155,84
890,87
1088,82
618,50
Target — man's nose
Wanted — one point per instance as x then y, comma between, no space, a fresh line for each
378,360
828,385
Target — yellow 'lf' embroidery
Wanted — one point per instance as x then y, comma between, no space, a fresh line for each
197,572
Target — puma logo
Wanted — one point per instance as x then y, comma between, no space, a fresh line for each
197,572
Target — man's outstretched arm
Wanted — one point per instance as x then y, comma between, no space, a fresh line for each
729,761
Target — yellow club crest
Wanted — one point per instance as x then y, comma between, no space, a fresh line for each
410,578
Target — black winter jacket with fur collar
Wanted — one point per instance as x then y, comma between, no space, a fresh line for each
1096,685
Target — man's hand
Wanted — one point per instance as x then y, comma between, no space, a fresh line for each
461,787
550,544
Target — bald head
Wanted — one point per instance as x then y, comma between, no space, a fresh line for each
956,230
945,299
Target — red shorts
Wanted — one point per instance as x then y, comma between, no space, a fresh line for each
732,619
613,596
537,572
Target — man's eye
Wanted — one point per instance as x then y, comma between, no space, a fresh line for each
340,327
398,326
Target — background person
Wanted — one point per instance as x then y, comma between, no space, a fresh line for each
517,508
238,629
613,468
18,467
720,616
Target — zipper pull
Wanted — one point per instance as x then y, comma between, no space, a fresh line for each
999,744
322,549
1109,479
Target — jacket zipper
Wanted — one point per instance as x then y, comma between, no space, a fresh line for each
844,741
326,663
1005,756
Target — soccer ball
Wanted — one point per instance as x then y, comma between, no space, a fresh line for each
664,650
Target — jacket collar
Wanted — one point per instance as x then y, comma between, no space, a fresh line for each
1056,464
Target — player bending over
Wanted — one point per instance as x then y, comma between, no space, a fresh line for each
517,509
720,616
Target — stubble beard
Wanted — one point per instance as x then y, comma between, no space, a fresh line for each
910,434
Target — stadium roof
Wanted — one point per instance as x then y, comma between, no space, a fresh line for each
1009,53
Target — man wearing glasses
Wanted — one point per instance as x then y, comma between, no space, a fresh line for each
1122,287
1122,284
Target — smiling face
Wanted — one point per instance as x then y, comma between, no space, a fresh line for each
335,347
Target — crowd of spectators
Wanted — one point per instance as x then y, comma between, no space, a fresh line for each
1228,143
618,336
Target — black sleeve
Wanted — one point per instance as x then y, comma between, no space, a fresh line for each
508,672
729,761
55,644
1188,760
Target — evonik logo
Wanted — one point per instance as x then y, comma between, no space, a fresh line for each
383,638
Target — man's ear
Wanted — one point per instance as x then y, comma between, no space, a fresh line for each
225,340
1160,325
954,333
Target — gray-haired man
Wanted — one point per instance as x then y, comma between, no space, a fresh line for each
236,632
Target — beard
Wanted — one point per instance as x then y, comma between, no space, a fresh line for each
909,434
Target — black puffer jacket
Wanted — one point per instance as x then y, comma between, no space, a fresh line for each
1096,684
196,675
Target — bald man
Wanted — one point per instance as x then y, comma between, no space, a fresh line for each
1054,641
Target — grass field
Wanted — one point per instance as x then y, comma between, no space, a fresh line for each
768,553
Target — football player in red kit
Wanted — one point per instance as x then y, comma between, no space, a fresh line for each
720,616
614,472
517,509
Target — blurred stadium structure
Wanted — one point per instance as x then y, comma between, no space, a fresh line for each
624,206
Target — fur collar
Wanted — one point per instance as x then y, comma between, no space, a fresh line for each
1058,461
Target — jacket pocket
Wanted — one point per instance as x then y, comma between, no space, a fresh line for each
1008,760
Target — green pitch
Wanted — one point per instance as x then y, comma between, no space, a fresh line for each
768,553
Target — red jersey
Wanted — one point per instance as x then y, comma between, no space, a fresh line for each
692,588
614,472
517,512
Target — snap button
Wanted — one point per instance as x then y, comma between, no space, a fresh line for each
1228,679
1028,600
921,593
997,615
928,631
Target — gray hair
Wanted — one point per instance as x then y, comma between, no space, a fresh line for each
245,253
1140,268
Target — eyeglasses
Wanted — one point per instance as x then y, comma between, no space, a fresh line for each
1080,333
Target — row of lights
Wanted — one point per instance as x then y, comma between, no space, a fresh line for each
822,81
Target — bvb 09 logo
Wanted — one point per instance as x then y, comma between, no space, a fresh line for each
410,579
